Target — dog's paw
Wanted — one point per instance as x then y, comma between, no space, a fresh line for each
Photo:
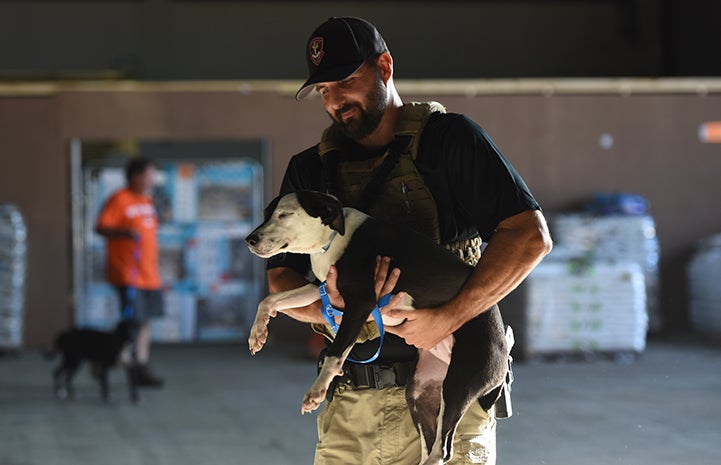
257,338
62,393
312,400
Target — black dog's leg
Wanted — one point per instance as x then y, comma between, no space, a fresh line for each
64,377
101,373
60,382
354,317
423,395
131,372
475,371
457,397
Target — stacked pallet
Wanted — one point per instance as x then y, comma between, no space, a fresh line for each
703,274
599,307
13,249
614,239
595,293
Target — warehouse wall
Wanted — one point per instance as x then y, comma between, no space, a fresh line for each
33,175
552,139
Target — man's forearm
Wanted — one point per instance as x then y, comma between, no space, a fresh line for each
518,245
116,233
285,279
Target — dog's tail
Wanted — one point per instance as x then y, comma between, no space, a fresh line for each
49,353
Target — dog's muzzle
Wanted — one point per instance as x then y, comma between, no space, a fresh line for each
261,248
252,240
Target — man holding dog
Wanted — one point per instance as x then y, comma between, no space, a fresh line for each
436,172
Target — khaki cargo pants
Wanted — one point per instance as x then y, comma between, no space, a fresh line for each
374,427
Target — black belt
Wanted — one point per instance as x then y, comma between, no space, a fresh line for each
371,375
376,376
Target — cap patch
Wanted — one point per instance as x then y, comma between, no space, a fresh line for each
316,50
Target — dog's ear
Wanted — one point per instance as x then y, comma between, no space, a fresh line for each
268,212
323,206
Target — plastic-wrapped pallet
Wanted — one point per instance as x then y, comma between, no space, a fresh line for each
598,307
704,291
13,250
614,238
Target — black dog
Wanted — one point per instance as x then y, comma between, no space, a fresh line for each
103,350
470,365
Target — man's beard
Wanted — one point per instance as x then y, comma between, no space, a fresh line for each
367,120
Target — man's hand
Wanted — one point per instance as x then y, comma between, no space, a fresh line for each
331,288
422,328
384,281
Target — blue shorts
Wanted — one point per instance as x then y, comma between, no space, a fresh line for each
144,304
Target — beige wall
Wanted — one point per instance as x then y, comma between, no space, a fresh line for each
552,140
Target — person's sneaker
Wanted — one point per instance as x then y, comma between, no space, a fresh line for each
146,378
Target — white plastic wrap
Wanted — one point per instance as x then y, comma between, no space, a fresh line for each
13,253
613,238
599,307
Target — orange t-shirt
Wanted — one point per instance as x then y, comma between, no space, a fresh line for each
132,263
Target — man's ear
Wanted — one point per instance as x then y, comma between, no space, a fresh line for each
323,206
385,66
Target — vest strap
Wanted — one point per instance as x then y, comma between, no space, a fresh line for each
398,146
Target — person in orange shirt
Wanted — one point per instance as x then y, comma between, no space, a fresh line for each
129,222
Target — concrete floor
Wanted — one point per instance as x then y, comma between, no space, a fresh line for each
221,406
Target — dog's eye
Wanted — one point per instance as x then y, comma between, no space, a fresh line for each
283,215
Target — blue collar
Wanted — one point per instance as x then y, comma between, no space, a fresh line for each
330,241
329,313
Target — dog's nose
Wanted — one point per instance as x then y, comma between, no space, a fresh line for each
252,239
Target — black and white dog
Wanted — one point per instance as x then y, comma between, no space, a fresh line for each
102,349
470,365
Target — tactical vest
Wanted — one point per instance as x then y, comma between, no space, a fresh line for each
387,187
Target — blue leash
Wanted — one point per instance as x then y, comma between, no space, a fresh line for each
130,291
129,310
329,313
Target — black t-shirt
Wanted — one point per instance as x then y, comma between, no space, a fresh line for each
473,184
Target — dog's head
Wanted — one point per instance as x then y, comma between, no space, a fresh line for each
300,222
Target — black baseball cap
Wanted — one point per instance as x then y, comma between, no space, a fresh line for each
337,48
